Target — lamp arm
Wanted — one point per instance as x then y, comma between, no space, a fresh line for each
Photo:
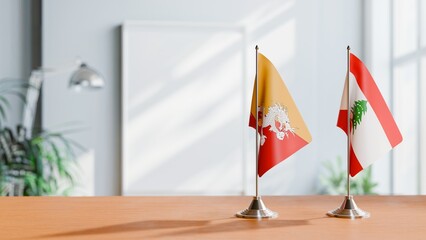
33,93
50,70
32,96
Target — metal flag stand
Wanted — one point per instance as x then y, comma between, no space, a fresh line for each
257,208
348,209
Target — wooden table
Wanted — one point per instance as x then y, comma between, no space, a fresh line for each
301,217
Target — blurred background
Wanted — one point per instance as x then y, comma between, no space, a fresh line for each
172,117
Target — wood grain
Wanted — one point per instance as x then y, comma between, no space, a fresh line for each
300,217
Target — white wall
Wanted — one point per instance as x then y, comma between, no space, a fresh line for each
305,39
15,47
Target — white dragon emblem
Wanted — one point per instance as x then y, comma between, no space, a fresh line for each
276,113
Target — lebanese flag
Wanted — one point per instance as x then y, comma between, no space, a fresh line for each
280,125
373,129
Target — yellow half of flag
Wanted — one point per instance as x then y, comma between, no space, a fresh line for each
272,90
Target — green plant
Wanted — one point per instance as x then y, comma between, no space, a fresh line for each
335,180
42,164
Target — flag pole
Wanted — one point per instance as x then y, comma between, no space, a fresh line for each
257,127
348,122
257,208
348,209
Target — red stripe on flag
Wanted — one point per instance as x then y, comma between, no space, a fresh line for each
355,166
371,92
342,120
274,151
252,121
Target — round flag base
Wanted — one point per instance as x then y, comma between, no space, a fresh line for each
257,209
348,209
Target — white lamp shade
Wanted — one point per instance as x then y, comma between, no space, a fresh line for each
86,77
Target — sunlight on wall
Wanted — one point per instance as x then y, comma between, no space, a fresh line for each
215,45
265,13
174,79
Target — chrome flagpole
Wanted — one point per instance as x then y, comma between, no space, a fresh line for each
257,208
348,209
257,125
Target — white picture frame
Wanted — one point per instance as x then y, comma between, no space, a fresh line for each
173,143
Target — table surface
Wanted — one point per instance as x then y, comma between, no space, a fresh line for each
300,217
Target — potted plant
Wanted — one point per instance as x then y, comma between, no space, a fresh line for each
36,165
334,181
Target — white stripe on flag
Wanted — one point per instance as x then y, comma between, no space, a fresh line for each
344,99
369,140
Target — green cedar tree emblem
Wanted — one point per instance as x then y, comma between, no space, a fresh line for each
358,110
